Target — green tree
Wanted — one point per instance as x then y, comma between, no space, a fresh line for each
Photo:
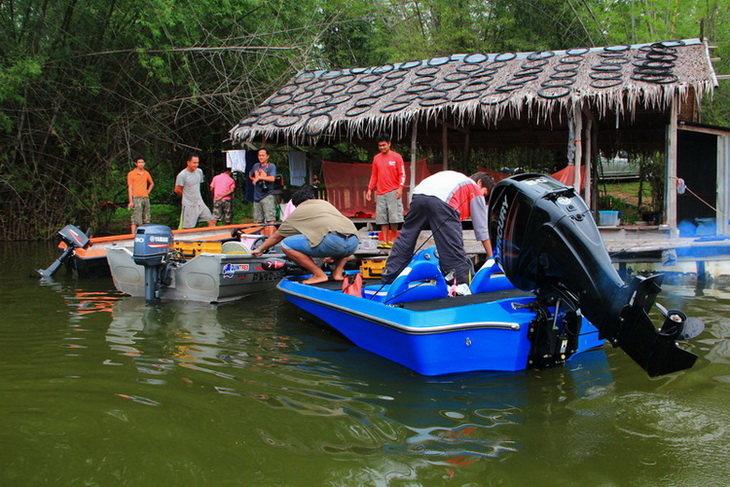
88,84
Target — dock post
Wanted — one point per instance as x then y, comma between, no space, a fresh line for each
622,270
701,274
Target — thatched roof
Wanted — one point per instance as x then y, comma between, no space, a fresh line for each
479,89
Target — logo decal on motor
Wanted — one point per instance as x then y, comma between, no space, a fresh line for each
501,221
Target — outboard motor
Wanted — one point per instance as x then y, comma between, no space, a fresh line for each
74,239
152,244
546,241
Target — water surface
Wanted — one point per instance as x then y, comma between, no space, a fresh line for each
97,388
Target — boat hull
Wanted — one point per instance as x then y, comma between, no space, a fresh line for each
476,333
212,278
92,262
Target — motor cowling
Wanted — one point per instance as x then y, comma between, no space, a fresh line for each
152,245
546,241
72,236
74,239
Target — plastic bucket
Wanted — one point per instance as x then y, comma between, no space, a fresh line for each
608,218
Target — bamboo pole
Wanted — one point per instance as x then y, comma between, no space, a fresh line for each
445,145
670,201
414,138
587,161
577,141
467,147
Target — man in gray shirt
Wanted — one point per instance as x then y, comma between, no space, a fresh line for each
187,185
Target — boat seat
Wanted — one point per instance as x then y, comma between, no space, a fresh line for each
422,279
234,247
489,278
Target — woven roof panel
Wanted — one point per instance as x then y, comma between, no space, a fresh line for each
478,87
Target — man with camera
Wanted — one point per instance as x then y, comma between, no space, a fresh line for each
262,176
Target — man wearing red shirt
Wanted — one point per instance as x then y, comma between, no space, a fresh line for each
387,179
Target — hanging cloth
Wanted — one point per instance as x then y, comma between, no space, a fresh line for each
236,160
297,168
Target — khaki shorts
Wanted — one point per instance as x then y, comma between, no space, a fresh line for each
140,210
388,209
265,210
191,215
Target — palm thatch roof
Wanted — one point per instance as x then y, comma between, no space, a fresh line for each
477,88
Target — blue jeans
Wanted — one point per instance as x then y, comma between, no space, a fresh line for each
333,245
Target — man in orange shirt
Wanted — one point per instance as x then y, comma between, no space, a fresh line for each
387,179
139,185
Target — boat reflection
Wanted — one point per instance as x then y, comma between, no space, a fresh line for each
175,333
259,353
83,297
451,420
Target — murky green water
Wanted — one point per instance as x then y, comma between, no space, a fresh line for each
100,389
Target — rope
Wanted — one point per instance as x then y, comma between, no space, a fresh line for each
699,198
705,202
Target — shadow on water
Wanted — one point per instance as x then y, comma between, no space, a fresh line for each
100,388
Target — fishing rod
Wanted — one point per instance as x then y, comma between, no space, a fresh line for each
408,262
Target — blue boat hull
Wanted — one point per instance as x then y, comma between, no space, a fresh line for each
481,335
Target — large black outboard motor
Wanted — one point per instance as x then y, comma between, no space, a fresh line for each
547,242
152,245
74,239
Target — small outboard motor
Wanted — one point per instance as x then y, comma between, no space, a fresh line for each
546,241
152,244
74,239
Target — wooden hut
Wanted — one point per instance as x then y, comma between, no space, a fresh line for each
582,100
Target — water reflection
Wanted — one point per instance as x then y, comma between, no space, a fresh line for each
296,367
451,421
82,297
252,380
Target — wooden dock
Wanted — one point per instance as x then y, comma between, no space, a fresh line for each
626,244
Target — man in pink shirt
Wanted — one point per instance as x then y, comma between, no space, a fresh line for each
387,179
223,187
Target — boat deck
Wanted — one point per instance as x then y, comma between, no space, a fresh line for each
438,303
625,244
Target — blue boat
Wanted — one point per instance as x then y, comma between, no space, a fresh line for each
415,323
550,294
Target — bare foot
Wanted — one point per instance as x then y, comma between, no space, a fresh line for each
315,279
338,277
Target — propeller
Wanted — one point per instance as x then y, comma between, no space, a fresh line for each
675,322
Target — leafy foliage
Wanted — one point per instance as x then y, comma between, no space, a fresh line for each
87,85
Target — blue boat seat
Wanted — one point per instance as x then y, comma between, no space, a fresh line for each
489,278
422,279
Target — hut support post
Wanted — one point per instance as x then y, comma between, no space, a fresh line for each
414,138
670,201
578,141
588,156
445,145
723,179
595,159
467,147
